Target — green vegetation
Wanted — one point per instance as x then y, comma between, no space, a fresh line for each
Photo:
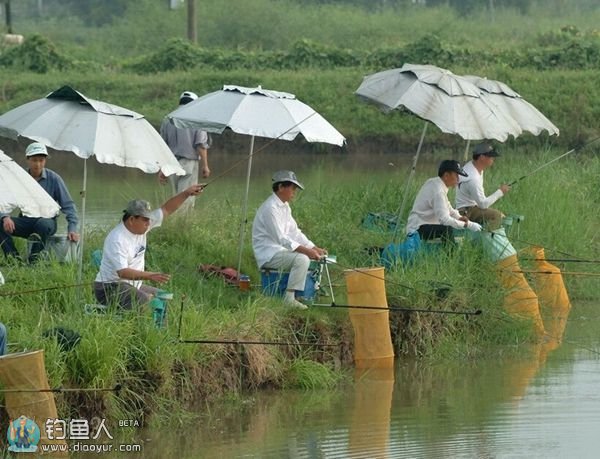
139,60
162,377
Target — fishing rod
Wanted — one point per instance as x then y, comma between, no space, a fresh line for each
117,388
553,160
392,282
236,163
266,343
394,308
561,260
571,273
23,292
572,257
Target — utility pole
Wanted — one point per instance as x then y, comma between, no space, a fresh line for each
7,16
492,11
191,21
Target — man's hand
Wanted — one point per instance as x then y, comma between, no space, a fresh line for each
161,278
8,225
195,190
162,178
73,236
322,252
504,188
205,172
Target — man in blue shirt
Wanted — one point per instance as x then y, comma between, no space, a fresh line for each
24,227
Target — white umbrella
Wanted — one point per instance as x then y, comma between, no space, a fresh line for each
18,189
451,102
510,102
255,112
67,120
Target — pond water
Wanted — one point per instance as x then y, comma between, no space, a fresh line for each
534,402
531,402
110,187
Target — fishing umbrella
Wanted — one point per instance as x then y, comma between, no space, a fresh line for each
256,112
18,189
67,120
510,102
451,102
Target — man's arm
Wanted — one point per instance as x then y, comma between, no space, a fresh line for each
176,201
67,207
134,274
203,154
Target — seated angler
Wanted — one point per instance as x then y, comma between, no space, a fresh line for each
40,228
277,241
471,200
432,216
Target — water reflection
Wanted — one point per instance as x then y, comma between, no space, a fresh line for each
536,401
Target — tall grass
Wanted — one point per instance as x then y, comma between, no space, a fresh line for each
160,376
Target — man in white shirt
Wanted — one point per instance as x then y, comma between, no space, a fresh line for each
432,216
277,241
470,196
122,269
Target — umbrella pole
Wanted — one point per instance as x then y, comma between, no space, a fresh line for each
466,155
408,182
82,226
245,208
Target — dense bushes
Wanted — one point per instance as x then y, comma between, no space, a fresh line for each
562,50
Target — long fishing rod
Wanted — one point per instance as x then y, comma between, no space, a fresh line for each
24,292
553,160
267,343
222,341
389,281
236,163
117,388
394,308
568,273
561,260
571,256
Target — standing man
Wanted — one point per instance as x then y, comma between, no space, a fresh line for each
24,227
277,241
190,146
432,215
470,196
122,269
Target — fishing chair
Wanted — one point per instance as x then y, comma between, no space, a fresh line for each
274,282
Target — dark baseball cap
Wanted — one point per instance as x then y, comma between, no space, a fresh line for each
450,165
486,149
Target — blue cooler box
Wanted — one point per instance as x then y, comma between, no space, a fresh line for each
274,283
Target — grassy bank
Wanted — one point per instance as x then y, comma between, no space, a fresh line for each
571,99
163,378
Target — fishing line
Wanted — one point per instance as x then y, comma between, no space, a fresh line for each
394,308
573,257
507,318
244,159
392,282
553,160
568,273
561,260
116,389
267,343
